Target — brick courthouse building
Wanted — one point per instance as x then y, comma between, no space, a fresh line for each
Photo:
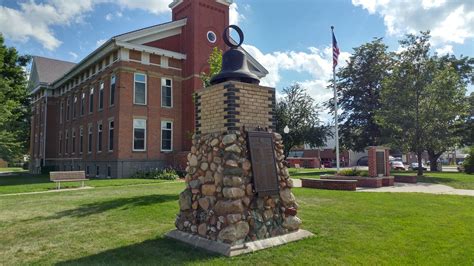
128,105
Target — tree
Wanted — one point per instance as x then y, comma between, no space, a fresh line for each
444,107
359,85
421,100
299,112
215,66
14,103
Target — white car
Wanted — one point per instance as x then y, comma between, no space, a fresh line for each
397,165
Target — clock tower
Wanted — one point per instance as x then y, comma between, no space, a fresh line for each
206,20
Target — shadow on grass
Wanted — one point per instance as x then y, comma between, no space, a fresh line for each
122,203
23,179
160,251
435,180
307,174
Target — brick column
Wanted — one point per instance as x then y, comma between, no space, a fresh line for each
372,159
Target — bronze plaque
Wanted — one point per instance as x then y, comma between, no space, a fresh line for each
264,170
380,162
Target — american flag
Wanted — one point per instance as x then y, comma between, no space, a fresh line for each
335,51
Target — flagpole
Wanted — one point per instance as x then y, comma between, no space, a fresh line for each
335,110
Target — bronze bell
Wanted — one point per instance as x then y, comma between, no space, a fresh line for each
234,62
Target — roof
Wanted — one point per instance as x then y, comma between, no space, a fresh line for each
49,70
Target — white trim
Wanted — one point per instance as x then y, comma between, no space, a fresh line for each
163,83
146,88
133,135
215,36
161,135
175,3
156,36
134,35
151,50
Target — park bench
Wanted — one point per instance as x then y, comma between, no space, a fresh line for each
67,176
331,184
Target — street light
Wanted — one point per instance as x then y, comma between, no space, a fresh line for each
286,129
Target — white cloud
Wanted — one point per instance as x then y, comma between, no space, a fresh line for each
34,20
74,55
447,49
100,42
234,16
109,17
315,62
449,21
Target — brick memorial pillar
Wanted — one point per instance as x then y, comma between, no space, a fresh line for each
238,195
372,161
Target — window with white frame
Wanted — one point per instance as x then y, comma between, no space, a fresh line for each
111,135
61,111
112,91
83,103
81,140
99,136
166,135
166,93
73,139
139,134
68,108
74,107
66,145
139,89
101,95
89,140
91,100
60,142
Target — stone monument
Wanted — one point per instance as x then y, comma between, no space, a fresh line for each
238,195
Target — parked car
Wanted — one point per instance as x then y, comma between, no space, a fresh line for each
397,165
363,161
414,166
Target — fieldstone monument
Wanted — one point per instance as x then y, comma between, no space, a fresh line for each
238,195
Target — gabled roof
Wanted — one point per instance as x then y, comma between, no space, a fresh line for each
48,70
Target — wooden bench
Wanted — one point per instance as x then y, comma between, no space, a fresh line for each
331,184
68,176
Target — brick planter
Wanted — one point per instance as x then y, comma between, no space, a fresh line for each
331,184
388,181
405,178
362,181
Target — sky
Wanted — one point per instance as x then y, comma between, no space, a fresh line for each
292,39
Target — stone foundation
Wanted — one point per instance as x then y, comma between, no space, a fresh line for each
406,179
219,202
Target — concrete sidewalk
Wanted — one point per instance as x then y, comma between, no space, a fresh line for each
421,188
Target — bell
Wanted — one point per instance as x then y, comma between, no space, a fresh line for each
234,63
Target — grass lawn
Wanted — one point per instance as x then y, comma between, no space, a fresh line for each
452,179
12,169
123,225
30,183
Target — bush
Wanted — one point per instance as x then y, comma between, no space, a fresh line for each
469,162
352,172
163,174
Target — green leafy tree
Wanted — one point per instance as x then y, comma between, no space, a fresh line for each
215,66
14,103
421,101
359,85
444,108
300,113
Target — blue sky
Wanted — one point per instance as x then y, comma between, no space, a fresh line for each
290,38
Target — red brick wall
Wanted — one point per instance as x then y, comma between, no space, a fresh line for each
372,161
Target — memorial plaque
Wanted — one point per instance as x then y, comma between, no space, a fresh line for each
380,162
262,155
